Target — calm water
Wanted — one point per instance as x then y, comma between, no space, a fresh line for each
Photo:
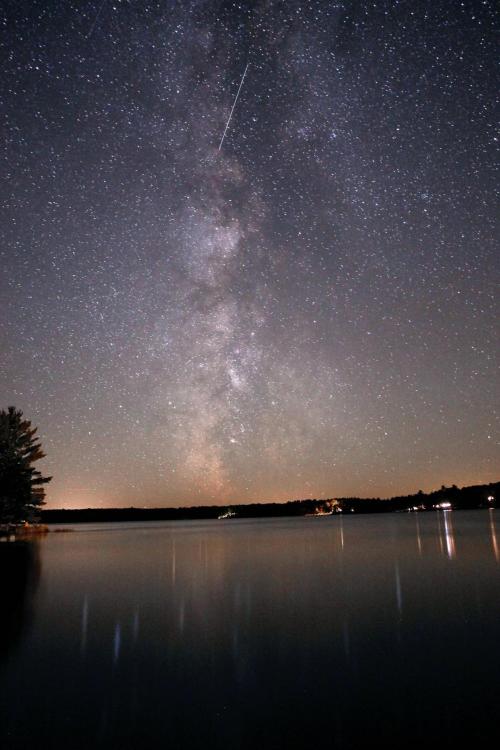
314,632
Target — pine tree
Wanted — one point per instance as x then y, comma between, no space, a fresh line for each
21,485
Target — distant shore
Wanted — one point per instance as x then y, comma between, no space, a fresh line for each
446,498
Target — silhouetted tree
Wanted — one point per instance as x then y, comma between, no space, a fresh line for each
21,485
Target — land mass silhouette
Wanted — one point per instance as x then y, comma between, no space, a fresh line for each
445,498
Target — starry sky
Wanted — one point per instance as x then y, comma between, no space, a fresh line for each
310,310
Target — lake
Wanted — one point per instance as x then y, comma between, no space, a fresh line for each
309,632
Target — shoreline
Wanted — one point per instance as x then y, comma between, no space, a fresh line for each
446,498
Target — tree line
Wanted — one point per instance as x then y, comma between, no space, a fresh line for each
477,496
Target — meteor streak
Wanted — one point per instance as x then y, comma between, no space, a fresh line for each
95,20
232,108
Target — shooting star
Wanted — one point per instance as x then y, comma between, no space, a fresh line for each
232,108
95,20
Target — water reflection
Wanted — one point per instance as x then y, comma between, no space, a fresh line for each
440,532
245,635
494,541
19,574
117,641
419,540
135,626
399,595
446,534
449,535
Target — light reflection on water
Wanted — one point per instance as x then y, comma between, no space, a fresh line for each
266,633
493,532
448,531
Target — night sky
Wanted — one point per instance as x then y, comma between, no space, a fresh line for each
310,311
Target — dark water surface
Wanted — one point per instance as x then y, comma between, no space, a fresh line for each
314,632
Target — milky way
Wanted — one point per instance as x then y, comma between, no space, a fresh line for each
310,310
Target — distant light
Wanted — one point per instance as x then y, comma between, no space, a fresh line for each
491,498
